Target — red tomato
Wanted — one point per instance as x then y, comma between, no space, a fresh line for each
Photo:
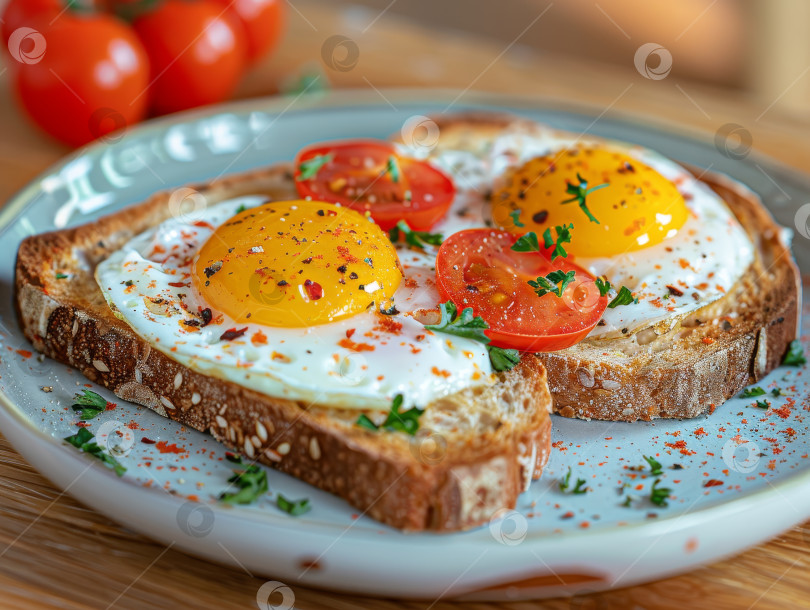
90,80
369,175
196,50
263,21
24,13
477,268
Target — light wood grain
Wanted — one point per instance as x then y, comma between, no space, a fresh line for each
56,553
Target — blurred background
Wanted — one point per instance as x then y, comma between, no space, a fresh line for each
76,70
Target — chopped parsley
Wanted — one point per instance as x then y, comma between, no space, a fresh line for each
659,495
472,327
580,192
62,276
415,239
578,488
503,359
795,355
242,207
762,404
563,237
526,243
555,283
309,169
515,214
655,466
88,404
293,507
779,392
396,421
603,285
752,392
83,441
625,297
250,481
392,168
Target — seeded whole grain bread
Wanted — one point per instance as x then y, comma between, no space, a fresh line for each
475,452
702,361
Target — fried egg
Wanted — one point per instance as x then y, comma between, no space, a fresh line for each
284,298
657,229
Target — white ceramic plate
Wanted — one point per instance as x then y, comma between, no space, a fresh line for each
745,471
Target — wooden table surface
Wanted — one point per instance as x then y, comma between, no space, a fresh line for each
54,552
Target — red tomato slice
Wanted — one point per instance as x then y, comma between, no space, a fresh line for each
477,268
369,175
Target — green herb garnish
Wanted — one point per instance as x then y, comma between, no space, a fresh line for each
603,286
242,207
752,392
83,441
415,239
625,297
88,404
396,421
659,495
309,169
251,481
795,355
392,168
563,237
579,486
580,192
779,392
503,359
526,243
762,404
472,327
655,466
62,276
554,283
293,507
515,214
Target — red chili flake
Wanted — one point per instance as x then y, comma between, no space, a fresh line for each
232,333
110,406
388,325
712,483
350,332
203,224
147,441
24,353
681,446
164,447
314,289
356,347
568,515
674,291
178,284
346,255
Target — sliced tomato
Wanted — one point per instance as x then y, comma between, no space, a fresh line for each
369,175
477,268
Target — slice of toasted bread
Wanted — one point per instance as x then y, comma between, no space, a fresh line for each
703,360
476,450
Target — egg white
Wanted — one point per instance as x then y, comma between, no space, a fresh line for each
304,364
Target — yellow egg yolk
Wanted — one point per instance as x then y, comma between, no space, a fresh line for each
632,206
296,264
